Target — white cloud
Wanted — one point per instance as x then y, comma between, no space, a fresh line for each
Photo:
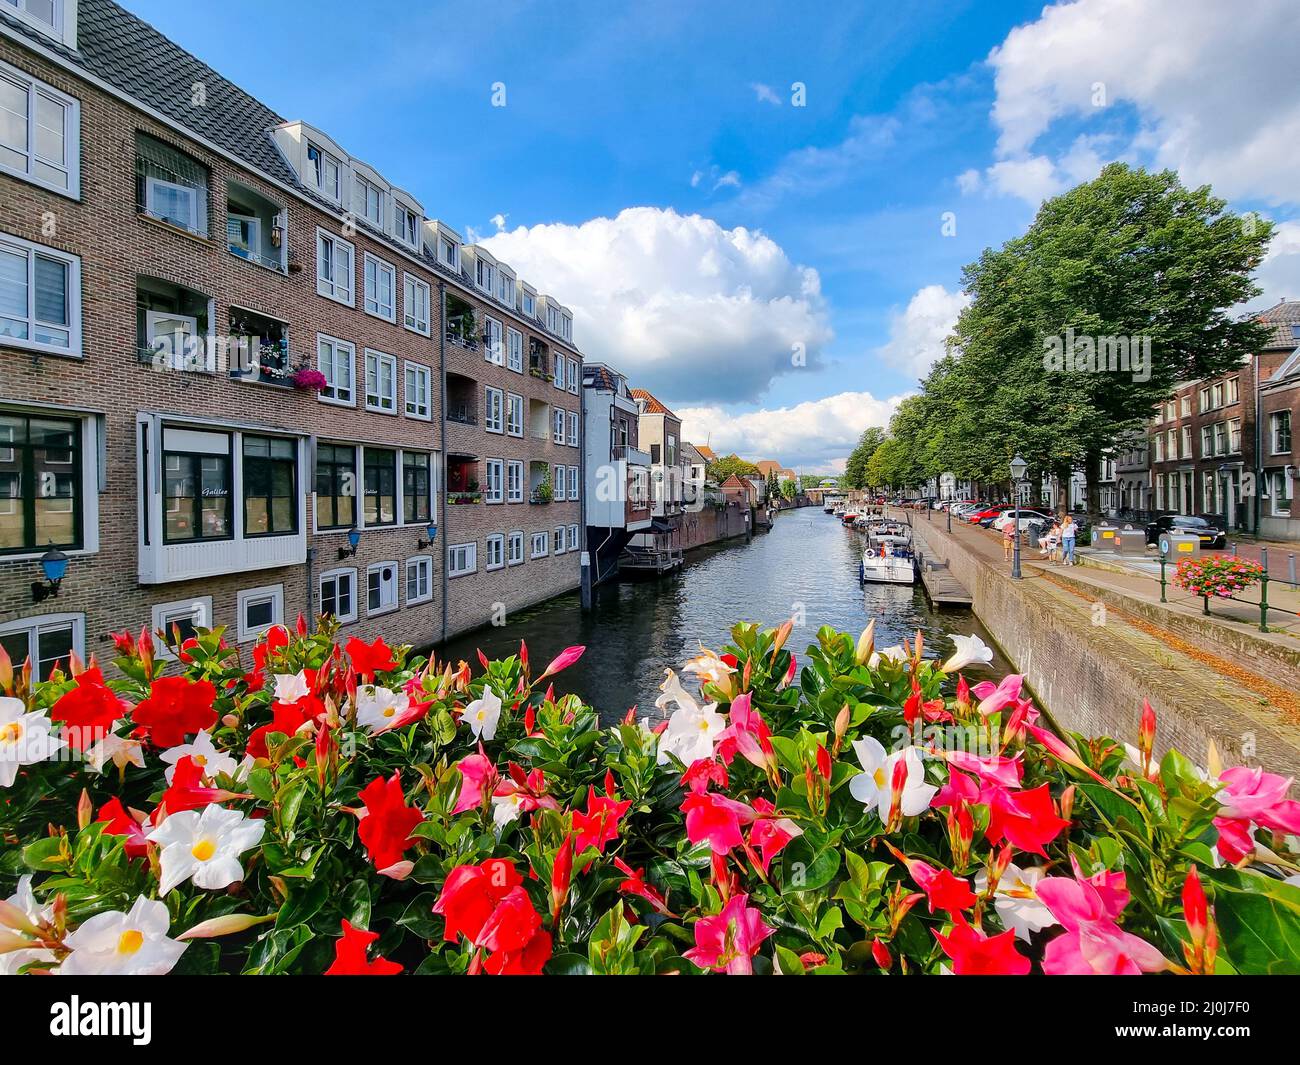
730,179
1032,178
499,220
765,94
1279,274
815,435
690,310
968,181
917,333
1209,81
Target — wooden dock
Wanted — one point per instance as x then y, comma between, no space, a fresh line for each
941,586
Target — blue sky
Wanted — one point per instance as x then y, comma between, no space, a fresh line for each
685,109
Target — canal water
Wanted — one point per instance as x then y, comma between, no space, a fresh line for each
807,565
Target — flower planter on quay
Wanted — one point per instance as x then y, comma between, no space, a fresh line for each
348,809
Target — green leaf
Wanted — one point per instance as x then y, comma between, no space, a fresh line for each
1259,921
807,865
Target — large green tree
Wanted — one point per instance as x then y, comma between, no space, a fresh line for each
855,467
1131,256
721,468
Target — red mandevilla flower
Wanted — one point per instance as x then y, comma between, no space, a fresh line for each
176,707
370,658
89,710
386,826
350,955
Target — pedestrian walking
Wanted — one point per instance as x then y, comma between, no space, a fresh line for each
1008,539
1069,533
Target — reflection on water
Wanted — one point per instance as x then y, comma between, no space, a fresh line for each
637,629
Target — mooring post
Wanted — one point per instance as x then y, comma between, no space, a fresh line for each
1164,558
1263,590
1290,569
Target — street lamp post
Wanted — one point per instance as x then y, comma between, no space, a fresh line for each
1018,468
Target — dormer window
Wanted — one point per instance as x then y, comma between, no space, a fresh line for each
530,304
406,225
566,326
48,16
323,170
369,202
449,253
485,275
506,288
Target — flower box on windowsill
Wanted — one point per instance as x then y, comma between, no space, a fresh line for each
539,499
541,375
459,498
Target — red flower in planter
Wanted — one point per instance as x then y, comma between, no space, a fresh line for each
386,826
728,941
286,719
471,893
119,822
88,710
186,791
975,954
770,834
599,825
350,955
635,884
527,961
1026,819
715,818
370,658
176,707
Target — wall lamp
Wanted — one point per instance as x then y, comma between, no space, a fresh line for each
354,538
54,564
432,530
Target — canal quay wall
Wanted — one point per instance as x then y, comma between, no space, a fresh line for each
1093,678
711,525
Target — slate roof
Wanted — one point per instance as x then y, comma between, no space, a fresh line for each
599,376
652,405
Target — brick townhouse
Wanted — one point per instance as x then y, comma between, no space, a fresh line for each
174,257
1220,448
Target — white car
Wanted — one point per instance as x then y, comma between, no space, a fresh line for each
1027,518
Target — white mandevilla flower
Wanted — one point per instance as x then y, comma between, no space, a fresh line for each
692,729
873,786
377,706
290,687
708,668
886,654
13,961
483,714
123,944
25,739
204,847
506,808
1016,900
205,754
970,651
120,750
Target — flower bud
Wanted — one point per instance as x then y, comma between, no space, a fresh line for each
866,644
85,811
225,926
881,953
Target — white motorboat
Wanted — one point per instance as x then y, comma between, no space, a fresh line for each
887,558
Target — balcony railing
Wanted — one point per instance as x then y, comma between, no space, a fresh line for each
463,498
462,415
467,342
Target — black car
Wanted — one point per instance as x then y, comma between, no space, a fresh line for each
1212,539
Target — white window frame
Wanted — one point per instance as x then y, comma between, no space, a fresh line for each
455,552
382,358
423,413
193,194
417,562
331,287
444,244
494,477
361,186
31,251
334,575
573,376
530,304
496,541
164,615
318,171
494,413
484,269
514,350
34,87
1278,478
515,484
493,346
514,404
546,545
32,626
573,484
337,346
573,538
559,419
566,325
273,593
412,288
559,483
399,231
389,604
505,288
372,305
573,428
559,369
557,539
515,548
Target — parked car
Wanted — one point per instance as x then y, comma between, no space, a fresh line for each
985,515
1028,518
1212,539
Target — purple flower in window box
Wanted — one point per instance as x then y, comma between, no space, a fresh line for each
309,379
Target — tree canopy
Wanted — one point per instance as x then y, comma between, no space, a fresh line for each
721,468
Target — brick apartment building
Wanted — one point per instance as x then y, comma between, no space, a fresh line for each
1221,447
156,423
